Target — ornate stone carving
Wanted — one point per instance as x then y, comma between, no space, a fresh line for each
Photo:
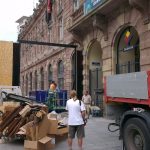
143,7
77,36
100,22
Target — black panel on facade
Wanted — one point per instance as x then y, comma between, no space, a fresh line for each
16,64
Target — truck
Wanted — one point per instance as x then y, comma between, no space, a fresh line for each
11,97
131,93
4,90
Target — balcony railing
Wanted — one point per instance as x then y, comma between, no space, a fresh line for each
78,13
82,17
128,67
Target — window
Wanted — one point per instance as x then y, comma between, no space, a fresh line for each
50,73
60,7
26,84
61,28
60,75
30,81
23,84
50,34
42,78
76,4
127,51
35,80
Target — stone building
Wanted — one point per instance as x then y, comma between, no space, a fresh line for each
40,64
112,38
21,21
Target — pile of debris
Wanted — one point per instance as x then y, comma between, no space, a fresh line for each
34,124
13,120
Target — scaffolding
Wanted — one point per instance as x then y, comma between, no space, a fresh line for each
56,100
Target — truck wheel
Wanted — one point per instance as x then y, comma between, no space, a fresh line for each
136,135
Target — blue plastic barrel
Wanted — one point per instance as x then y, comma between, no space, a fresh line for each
63,97
32,95
41,96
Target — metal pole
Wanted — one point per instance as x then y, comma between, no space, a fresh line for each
48,44
97,86
76,74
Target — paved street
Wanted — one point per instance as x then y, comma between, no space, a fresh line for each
97,138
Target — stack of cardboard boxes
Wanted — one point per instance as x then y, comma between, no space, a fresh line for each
37,135
41,135
32,122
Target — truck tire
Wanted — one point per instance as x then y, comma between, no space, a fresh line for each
136,135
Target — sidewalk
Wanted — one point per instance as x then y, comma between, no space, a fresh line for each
97,138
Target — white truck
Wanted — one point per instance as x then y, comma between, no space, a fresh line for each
4,90
11,97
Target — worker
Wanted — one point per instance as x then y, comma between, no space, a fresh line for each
86,98
52,86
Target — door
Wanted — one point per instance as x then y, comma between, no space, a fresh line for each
95,79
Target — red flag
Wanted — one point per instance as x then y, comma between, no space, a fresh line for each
49,6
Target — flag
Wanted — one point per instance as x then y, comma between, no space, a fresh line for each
49,6
48,11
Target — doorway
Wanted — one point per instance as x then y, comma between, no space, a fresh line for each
95,73
79,73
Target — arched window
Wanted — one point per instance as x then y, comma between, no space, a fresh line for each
42,78
23,85
26,84
31,81
76,5
35,80
60,75
61,28
127,51
50,73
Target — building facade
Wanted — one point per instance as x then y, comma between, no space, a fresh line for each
21,21
41,64
112,38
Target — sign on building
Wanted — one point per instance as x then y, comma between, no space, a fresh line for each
89,5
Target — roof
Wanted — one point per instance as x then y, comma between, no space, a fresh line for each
21,19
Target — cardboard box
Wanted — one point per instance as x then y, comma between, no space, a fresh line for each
30,131
53,125
34,131
52,116
47,126
30,145
25,110
54,128
43,144
9,106
62,131
43,128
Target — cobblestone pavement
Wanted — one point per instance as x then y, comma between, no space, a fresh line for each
97,138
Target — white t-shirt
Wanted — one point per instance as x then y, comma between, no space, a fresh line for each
86,99
74,110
